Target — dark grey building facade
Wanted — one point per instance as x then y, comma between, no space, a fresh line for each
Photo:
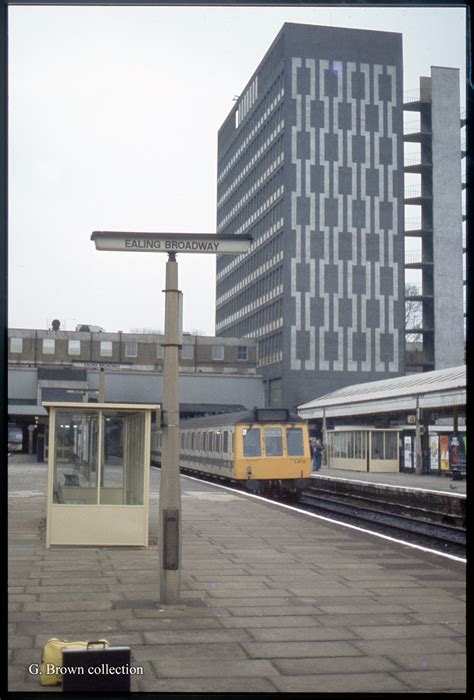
310,163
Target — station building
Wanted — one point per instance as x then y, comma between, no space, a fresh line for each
412,423
216,374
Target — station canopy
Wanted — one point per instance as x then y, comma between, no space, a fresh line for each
437,389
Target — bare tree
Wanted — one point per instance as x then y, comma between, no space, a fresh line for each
413,314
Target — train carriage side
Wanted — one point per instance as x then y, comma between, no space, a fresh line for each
265,450
208,449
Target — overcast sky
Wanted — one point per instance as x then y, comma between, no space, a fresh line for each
113,120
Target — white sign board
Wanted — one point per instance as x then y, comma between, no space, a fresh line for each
171,242
408,452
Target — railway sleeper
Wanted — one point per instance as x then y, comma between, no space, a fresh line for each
434,530
391,507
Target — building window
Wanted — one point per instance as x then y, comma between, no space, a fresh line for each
217,352
242,352
74,347
187,352
16,345
131,349
160,351
106,348
49,346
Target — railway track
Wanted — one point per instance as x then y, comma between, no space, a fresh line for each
358,514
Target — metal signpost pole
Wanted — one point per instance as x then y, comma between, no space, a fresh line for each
169,534
170,485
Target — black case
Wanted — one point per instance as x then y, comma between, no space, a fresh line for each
94,669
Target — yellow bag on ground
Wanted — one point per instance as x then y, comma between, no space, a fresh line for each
52,658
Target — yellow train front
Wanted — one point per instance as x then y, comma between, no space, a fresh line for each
265,450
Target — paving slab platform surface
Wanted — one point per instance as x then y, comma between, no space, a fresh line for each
272,600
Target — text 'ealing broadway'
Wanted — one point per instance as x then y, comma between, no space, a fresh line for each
171,245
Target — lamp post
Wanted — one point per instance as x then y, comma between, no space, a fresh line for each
169,524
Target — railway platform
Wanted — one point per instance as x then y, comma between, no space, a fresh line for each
422,482
272,600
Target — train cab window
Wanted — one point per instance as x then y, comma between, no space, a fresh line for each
252,442
273,442
294,442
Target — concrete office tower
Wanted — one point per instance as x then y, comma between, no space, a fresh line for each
310,163
438,225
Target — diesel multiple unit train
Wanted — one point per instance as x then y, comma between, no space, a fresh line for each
265,450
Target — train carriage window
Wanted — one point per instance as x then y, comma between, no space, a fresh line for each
192,442
273,442
205,441
226,441
252,442
294,442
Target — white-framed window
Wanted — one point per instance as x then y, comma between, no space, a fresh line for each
160,351
106,348
74,347
16,345
217,352
242,352
131,349
49,346
187,352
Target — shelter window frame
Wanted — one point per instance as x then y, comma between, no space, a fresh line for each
98,474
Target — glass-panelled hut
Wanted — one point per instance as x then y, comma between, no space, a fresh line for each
98,473
368,450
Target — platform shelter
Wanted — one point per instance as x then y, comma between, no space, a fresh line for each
98,473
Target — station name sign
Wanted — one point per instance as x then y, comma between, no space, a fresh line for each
170,242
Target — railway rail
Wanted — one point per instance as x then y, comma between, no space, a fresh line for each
394,523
